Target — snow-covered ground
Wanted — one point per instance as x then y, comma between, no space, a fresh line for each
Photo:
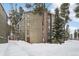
21,48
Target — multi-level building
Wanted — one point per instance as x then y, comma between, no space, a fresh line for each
50,26
3,25
33,28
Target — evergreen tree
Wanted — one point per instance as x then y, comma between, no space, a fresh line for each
71,36
67,32
64,14
78,33
58,30
75,34
77,10
21,11
77,15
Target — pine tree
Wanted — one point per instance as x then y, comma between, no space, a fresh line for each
77,15
64,14
77,10
78,33
67,32
75,34
58,30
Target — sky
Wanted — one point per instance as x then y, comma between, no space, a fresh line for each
73,24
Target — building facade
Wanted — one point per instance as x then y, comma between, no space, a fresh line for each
33,28
50,26
3,24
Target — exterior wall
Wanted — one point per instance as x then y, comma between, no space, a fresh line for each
50,26
31,28
34,28
3,23
45,27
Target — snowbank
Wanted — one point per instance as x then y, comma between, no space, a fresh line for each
69,48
